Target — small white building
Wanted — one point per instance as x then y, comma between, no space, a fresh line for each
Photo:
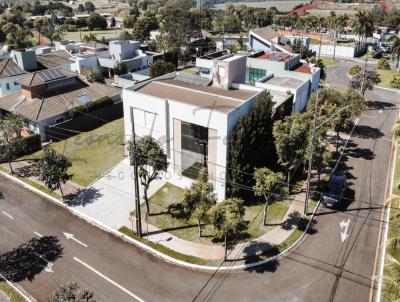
192,117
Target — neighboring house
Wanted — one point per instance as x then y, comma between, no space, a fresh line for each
131,78
268,39
299,78
9,72
95,55
48,95
127,52
192,116
56,59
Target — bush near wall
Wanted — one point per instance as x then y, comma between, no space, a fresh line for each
99,103
28,145
383,64
354,69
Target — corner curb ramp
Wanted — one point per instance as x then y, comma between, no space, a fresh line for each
154,251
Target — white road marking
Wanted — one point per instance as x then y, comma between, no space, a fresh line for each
8,215
71,236
109,280
344,227
37,234
49,266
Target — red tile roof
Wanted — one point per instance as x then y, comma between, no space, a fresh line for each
303,68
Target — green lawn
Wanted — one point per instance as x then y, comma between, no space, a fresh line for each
386,77
92,153
108,34
164,216
394,220
10,292
328,61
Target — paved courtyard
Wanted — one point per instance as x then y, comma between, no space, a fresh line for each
110,199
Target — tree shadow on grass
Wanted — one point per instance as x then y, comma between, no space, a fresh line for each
29,259
28,171
256,251
83,197
292,221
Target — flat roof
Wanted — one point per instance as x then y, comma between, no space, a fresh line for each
222,100
284,82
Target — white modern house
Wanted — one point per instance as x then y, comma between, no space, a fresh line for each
192,117
268,39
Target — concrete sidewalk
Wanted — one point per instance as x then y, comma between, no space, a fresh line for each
27,170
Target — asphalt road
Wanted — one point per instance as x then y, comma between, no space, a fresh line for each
323,268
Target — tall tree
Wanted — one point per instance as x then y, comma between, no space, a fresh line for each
151,160
53,168
364,80
395,51
291,141
249,142
10,134
228,220
268,184
199,198
160,68
89,7
40,24
96,21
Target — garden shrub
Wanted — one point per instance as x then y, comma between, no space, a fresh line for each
354,69
383,64
395,82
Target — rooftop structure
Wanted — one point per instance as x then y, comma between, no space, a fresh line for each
48,95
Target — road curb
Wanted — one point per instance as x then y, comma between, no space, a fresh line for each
22,294
154,251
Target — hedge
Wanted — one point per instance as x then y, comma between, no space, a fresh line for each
99,103
27,145
354,69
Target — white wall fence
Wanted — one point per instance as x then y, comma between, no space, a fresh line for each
340,51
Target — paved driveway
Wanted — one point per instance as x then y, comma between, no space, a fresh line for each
110,199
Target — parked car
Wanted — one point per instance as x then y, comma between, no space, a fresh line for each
336,187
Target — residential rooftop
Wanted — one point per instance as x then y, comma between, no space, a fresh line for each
54,58
273,56
44,77
8,68
202,95
55,101
285,82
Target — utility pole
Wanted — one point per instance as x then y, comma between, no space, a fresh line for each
136,179
311,154
365,70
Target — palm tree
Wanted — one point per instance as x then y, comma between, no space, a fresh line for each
301,24
395,50
332,21
364,27
89,37
321,23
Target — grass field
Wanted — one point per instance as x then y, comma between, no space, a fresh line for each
394,221
92,153
108,34
284,5
10,292
165,217
386,78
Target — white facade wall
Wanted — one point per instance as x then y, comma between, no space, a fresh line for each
300,94
10,84
155,117
80,63
340,51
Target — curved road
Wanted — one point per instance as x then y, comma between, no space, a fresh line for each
327,266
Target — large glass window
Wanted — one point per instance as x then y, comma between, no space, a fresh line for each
256,74
194,149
